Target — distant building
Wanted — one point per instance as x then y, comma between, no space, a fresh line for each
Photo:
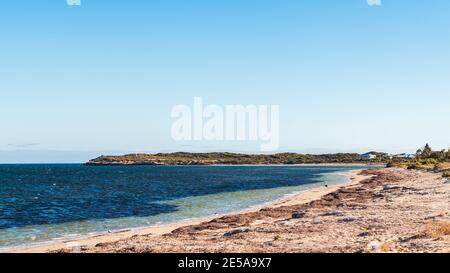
405,156
369,156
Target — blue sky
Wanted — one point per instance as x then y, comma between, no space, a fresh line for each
103,77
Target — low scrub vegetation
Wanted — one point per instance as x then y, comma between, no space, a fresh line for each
437,229
426,159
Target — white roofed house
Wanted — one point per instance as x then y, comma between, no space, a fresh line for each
406,156
369,156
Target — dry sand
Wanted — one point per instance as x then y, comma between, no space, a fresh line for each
380,210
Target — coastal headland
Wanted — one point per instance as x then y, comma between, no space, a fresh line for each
183,158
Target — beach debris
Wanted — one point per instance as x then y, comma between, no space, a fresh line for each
235,231
391,187
433,216
378,195
347,220
298,215
410,238
409,189
364,234
374,247
333,213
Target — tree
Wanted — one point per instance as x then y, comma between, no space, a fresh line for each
419,153
427,151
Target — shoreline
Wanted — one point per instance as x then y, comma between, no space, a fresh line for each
381,210
376,164
91,240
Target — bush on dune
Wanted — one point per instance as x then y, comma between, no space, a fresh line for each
426,159
437,229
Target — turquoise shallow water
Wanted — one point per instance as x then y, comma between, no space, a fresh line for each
45,202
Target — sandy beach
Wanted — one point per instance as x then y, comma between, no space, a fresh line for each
379,210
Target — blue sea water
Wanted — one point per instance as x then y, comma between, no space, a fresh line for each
44,202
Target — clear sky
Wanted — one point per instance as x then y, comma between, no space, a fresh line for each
103,76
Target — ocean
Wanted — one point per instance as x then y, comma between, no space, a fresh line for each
45,202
